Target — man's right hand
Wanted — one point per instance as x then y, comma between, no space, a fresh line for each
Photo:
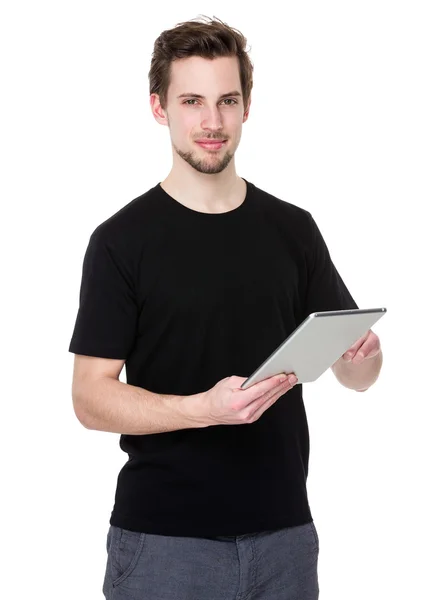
227,404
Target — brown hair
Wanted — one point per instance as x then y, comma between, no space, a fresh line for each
198,38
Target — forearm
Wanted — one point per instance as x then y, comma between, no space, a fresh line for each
360,376
113,406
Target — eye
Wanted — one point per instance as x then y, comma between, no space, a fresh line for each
195,100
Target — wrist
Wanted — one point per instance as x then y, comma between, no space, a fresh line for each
193,408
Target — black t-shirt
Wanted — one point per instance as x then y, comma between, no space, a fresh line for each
188,298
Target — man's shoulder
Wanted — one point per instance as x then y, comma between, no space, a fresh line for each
282,207
132,218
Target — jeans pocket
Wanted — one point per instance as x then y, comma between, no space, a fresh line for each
315,535
109,539
125,548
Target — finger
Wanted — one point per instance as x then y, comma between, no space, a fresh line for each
257,400
358,345
365,353
267,385
352,351
261,408
250,405
368,350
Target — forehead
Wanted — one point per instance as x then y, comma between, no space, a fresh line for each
203,75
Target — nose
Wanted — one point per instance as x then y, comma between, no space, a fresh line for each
211,119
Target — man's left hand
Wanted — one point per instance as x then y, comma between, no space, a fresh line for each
366,347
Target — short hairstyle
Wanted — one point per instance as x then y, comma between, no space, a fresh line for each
208,38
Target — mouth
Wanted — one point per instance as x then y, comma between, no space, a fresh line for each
212,145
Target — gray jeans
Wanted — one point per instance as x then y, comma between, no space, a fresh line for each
269,565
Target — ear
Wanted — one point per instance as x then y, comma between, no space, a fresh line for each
247,111
158,113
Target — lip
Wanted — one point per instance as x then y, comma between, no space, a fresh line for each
211,144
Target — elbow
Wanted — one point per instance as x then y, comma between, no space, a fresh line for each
79,411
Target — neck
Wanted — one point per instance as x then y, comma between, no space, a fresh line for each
211,193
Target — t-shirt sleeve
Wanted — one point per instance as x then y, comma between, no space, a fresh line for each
106,322
325,289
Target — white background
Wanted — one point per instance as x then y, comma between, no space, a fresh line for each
339,125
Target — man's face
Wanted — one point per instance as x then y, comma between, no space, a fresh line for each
211,117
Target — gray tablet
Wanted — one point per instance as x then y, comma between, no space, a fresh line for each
316,344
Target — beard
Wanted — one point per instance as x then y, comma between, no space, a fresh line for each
210,165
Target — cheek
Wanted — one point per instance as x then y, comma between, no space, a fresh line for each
188,124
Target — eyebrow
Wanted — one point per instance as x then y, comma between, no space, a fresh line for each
191,95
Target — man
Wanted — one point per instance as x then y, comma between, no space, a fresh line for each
191,286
